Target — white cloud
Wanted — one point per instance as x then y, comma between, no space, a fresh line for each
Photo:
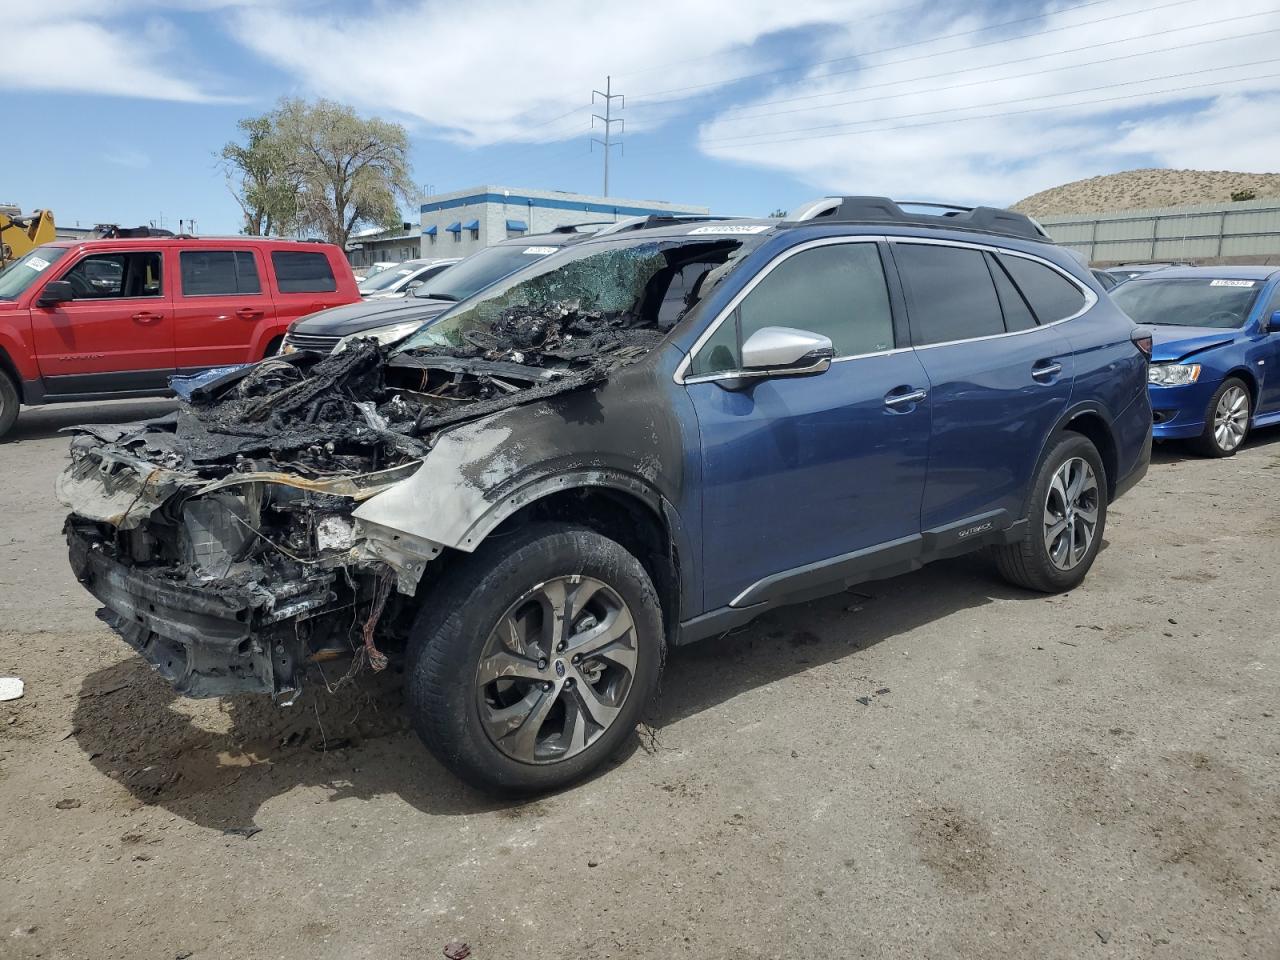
483,71
74,47
889,128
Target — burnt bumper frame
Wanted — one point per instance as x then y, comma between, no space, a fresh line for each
206,644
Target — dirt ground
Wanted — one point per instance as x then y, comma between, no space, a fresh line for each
933,766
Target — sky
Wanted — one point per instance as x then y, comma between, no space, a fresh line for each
116,111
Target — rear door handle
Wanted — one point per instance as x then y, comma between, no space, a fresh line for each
896,400
146,316
1046,370
248,313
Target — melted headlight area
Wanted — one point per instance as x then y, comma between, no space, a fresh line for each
247,588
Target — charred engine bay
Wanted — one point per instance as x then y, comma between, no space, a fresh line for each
355,411
235,565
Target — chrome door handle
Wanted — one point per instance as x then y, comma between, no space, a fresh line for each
915,396
1047,371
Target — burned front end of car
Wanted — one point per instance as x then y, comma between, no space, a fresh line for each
226,571
292,513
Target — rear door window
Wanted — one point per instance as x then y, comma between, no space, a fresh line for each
208,273
837,290
298,272
951,295
117,276
1052,296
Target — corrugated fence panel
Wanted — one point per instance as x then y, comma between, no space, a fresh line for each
1124,229
1182,249
1138,250
1206,225
1252,221
1251,246
1071,232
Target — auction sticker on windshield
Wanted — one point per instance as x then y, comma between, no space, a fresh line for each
37,264
1231,283
539,251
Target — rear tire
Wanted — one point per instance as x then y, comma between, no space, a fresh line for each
1065,521
9,404
495,688
1226,420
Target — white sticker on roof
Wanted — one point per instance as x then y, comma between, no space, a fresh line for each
37,264
539,251
732,228
1231,283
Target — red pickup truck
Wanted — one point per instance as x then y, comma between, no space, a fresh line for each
102,319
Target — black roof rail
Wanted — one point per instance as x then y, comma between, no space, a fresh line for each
884,210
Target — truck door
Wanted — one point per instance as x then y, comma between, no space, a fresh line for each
116,336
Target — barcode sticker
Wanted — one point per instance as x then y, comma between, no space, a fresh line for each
1231,283
37,264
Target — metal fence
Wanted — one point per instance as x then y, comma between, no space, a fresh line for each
1247,230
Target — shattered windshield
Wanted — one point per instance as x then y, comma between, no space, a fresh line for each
558,308
479,270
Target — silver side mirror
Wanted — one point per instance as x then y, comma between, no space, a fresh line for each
785,351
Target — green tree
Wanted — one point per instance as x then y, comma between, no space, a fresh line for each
319,168
350,171
261,177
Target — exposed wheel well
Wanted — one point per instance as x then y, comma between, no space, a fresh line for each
623,518
273,346
1095,428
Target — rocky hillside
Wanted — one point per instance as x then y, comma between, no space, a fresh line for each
1135,189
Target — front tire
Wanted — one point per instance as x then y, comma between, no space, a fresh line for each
1066,517
9,404
1226,420
532,659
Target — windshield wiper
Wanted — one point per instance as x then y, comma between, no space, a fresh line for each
437,296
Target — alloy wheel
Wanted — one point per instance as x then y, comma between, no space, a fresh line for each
1071,513
1231,418
556,670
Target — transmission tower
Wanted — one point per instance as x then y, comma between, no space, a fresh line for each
608,120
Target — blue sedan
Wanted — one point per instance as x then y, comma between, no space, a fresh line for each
1215,366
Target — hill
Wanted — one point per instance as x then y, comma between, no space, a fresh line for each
1137,189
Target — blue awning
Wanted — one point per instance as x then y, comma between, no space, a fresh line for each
519,225
454,227
430,231
471,225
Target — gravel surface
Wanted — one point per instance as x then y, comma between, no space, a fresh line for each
933,766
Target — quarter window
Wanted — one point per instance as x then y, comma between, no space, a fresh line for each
1017,315
208,273
1051,295
112,276
303,272
951,293
837,290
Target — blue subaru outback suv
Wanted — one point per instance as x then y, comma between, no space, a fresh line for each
646,438
1215,371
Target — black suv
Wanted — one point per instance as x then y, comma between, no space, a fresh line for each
648,437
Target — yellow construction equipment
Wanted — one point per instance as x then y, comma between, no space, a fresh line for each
20,235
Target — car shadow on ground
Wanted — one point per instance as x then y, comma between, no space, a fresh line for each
215,763
41,423
1176,451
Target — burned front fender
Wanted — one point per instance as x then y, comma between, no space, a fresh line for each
621,433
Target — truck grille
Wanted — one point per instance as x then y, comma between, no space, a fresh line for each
311,341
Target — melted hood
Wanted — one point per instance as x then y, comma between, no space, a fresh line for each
368,314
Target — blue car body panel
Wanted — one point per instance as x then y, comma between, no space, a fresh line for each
1249,353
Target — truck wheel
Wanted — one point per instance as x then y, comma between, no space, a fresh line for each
532,659
1226,420
9,404
1066,517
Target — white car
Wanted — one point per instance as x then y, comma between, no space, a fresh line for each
401,279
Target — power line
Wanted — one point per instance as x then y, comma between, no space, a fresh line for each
999,103
608,120
878,16
659,94
1012,113
1019,76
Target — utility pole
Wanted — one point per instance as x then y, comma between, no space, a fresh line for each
608,96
